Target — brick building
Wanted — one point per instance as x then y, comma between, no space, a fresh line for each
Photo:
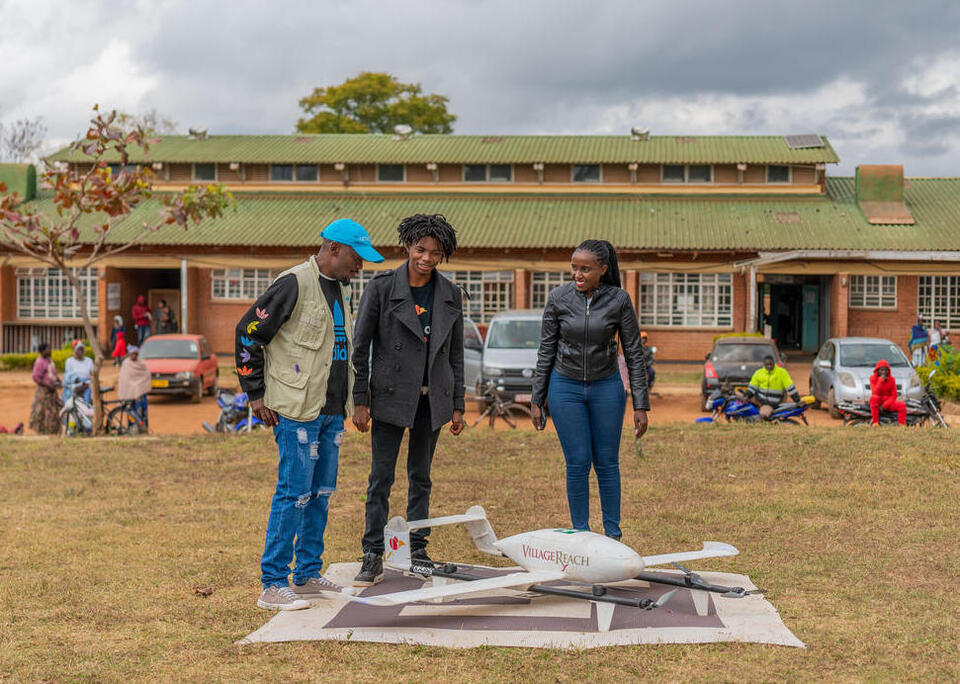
715,234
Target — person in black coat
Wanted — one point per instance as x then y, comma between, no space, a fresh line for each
410,323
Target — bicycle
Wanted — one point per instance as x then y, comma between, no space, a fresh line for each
497,406
76,416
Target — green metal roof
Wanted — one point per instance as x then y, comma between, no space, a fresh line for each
546,221
460,149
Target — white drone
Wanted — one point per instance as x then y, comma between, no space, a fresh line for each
576,556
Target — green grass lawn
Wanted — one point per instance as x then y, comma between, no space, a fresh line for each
853,533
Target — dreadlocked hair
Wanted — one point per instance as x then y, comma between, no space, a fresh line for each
606,256
414,228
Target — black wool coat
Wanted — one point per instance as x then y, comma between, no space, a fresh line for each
389,352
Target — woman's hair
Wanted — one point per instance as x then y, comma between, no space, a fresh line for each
606,256
414,228
44,346
163,302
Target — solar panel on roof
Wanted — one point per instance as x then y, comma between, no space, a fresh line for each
798,142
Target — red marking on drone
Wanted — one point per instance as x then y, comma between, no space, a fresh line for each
395,543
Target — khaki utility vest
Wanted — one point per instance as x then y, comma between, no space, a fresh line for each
297,361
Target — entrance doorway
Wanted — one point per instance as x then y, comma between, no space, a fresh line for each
794,309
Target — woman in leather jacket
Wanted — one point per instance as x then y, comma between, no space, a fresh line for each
577,373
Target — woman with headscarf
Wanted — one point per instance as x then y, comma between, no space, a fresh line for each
45,411
77,371
141,318
134,382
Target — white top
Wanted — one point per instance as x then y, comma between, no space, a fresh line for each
83,368
934,337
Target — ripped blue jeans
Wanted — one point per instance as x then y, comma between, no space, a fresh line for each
306,477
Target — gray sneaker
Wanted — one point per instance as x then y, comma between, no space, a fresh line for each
315,587
281,598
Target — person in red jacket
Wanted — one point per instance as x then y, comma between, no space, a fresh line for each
883,394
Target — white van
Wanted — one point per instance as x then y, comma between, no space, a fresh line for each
510,352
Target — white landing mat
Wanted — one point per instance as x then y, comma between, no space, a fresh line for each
515,618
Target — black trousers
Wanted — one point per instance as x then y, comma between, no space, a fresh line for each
385,440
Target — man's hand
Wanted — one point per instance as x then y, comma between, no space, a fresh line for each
456,425
267,416
536,416
639,423
361,418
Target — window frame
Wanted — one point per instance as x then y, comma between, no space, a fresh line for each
541,282
863,293
262,278
194,176
404,174
667,287
945,288
493,288
486,173
686,175
573,173
282,180
780,166
54,283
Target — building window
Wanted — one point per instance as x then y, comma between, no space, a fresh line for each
680,173
938,299
695,300
586,173
306,173
483,173
778,174
281,172
475,173
490,292
391,173
46,293
674,173
541,282
205,172
357,285
873,292
239,283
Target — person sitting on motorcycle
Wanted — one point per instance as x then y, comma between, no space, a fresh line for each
768,385
883,394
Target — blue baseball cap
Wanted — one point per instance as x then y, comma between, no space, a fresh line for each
349,232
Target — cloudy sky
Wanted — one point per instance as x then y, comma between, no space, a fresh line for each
880,78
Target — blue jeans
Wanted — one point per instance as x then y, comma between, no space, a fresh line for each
589,418
306,477
143,332
140,406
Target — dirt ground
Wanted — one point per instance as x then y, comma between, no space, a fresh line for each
674,402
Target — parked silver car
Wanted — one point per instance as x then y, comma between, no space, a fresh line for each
510,352
842,370
472,358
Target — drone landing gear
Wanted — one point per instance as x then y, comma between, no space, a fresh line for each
598,592
692,580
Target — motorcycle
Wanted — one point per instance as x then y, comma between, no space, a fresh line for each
919,411
235,414
733,406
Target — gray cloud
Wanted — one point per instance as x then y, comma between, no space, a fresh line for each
875,76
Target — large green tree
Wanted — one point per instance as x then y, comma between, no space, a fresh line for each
374,103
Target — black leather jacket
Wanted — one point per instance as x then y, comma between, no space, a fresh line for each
581,343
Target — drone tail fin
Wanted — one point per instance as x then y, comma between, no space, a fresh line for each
396,537
481,531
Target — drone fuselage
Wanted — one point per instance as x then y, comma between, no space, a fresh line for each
581,556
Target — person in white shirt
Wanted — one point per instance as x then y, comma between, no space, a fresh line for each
78,367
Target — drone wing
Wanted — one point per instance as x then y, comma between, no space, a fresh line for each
514,579
710,550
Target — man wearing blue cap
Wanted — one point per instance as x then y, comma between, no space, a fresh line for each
292,355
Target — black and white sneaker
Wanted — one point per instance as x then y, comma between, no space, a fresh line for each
371,570
420,557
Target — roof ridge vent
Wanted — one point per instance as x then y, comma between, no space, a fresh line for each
402,132
197,134
639,133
